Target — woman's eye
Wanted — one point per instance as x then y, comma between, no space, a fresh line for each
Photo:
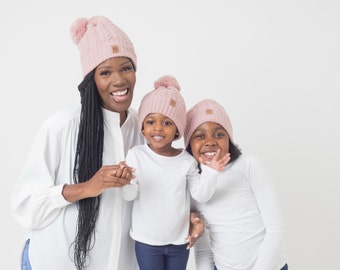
127,68
104,73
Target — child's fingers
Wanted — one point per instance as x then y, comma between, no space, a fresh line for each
226,158
224,161
128,174
217,156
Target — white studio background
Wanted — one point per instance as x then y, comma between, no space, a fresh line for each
274,65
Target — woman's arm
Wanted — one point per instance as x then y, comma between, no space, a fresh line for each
111,176
45,185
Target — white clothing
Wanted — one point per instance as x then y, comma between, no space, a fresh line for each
243,221
39,206
161,193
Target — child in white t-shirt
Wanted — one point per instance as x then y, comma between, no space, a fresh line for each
165,177
244,228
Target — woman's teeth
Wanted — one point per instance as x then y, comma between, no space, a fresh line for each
119,93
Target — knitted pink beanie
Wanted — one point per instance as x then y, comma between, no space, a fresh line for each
206,110
164,99
98,39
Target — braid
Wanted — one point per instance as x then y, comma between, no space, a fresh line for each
87,161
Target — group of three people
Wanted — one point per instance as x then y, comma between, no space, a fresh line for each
103,183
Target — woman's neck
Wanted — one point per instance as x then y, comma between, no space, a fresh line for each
123,116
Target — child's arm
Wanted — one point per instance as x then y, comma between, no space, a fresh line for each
204,258
128,192
267,201
202,186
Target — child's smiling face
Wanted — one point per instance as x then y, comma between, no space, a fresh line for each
160,131
207,139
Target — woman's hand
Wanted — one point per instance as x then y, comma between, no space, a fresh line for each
110,176
196,228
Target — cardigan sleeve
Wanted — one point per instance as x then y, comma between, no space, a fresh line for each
37,197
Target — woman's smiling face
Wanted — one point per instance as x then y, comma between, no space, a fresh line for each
115,79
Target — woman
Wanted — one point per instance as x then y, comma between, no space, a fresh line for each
68,192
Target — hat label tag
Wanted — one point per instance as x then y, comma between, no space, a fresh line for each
172,103
115,48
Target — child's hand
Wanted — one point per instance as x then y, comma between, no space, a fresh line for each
217,163
125,171
196,229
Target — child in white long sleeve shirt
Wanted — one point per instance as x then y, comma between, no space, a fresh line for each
165,178
243,223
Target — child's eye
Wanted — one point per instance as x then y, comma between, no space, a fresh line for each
167,123
199,136
219,135
149,122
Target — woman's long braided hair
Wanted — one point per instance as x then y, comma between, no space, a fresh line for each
88,160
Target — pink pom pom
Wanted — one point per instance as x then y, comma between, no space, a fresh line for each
167,81
78,29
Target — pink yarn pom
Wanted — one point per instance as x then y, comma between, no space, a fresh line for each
167,81
78,29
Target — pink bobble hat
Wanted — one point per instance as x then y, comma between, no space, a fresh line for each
98,39
206,110
165,99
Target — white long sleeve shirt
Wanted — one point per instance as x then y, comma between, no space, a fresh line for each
38,204
244,229
161,193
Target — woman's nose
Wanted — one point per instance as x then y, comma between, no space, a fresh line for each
117,79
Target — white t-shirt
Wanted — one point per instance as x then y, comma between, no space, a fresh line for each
39,206
243,221
161,193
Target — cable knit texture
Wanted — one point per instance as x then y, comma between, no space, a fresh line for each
207,110
165,99
98,39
